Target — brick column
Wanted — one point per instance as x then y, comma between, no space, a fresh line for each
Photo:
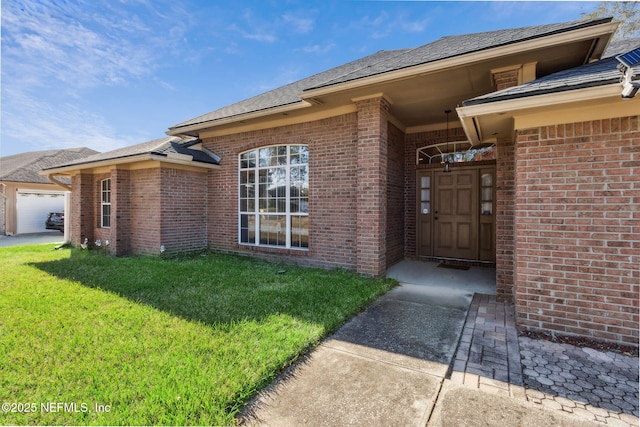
505,220
120,212
83,199
371,207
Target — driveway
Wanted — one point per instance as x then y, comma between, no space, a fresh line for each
47,237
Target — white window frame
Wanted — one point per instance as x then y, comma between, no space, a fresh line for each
257,213
105,201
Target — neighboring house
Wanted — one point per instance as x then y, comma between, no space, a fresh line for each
346,169
26,196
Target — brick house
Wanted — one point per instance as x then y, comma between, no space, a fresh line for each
346,169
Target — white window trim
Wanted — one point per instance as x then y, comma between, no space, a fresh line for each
288,214
103,203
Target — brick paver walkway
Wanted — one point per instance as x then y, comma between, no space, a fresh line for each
599,386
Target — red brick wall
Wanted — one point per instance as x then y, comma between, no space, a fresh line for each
149,208
333,194
183,210
120,212
395,197
505,219
578,227
83,200
505,79
146,214
371,181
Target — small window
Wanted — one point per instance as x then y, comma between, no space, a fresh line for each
425,195
486,194
105,203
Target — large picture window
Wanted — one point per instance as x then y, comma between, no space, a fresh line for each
105,203
274,196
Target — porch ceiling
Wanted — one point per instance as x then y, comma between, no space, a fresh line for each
420,100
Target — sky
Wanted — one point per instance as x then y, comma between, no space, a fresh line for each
105,74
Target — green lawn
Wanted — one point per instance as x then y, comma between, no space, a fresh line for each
180,341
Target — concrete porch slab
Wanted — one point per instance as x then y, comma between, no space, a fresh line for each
480,280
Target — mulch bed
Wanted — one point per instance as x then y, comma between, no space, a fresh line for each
627,350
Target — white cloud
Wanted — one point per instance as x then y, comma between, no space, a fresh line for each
41,126
384,24
56,42
299,24
54,54
319,49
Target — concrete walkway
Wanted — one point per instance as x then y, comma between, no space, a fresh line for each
440,350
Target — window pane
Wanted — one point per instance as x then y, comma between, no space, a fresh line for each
248,228
486,180
486,194
247,205
425,207
425,181
300,231
426,195
106,215
299,154
272,230
273,156
248,160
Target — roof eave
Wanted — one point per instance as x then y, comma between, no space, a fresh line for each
196,128
470,115
583,33
177,159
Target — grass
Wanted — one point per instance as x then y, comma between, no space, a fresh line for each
180,341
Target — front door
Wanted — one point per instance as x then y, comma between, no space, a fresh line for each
455,217
456,213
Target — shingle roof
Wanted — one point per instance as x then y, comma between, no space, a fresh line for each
387,61
26,167
162,147
597,73
452,46
288,94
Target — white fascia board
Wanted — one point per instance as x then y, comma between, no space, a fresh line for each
539,101
66,170
471,116
179,160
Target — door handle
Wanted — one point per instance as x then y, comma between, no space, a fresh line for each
435,215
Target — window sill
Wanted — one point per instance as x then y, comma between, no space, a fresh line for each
274,249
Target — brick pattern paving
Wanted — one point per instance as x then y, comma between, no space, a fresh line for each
599,386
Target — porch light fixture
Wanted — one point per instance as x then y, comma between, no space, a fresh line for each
447,165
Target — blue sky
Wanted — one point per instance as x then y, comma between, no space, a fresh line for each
110,73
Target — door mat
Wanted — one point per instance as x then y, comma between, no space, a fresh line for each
454,267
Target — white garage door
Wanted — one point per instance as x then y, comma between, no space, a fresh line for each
33,206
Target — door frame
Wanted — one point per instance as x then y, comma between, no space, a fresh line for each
486,223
